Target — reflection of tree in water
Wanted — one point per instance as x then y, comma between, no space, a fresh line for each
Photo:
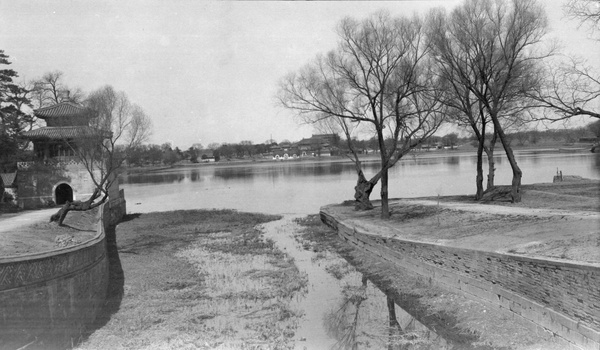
452,160
361,322
342,323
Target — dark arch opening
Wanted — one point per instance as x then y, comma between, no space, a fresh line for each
63,194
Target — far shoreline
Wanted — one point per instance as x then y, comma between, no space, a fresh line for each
463,150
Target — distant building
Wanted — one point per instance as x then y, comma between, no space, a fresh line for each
319,145
58,174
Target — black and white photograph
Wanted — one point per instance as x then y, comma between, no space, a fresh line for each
300,175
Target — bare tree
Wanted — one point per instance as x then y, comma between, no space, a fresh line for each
572,86
587,12
50,90
114,123
379,75
492,49
465,109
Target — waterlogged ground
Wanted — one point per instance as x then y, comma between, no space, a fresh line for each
221,279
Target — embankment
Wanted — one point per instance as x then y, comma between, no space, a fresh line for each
48,298
555,296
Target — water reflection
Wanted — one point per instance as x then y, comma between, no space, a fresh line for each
452,160
366,318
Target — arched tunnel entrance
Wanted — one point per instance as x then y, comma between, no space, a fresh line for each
63,193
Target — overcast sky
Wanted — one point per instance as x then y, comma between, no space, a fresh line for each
203,71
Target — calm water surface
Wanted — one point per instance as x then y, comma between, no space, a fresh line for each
302,187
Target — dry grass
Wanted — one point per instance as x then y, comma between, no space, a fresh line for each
201,280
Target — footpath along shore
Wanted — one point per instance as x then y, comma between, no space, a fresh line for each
539,263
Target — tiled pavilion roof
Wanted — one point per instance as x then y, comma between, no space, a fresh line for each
62,133
63,109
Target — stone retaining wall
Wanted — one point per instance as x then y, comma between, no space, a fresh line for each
53,295
556,296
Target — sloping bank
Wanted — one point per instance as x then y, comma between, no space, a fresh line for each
552,295
48,298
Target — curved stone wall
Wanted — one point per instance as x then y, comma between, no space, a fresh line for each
553,296
53,295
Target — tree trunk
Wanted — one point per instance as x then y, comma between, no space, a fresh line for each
479,177
392,313
491,163
61,214
517,173
491,170
362,192
385,210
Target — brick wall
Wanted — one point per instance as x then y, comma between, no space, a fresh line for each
556,296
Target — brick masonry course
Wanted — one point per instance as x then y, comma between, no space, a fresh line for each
552,295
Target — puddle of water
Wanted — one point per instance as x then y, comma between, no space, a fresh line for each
347,312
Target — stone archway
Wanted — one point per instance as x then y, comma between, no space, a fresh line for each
63,193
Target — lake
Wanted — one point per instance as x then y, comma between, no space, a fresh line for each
302,187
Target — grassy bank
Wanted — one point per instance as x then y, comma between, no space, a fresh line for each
200,280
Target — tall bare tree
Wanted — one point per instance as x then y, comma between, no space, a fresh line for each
50,89
115,123
466,109
379,75
494,48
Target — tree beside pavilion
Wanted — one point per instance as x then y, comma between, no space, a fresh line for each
64,169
